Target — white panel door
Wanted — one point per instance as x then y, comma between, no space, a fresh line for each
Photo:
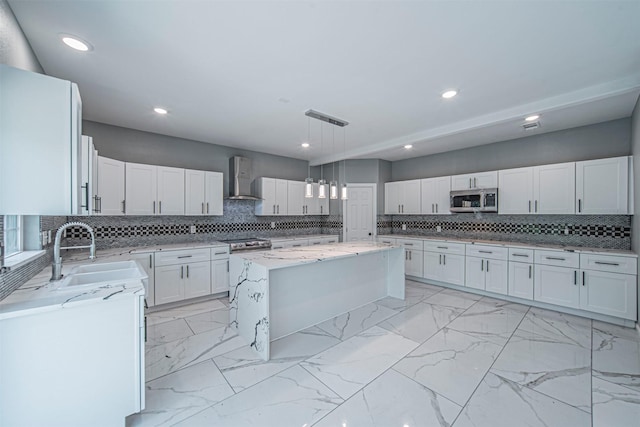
602,186
109,197
194,192
413,262
453,269
141,186
360,213
392,198
170,192
556,285
515,192
521,280
146,261
474,273
281,197
87,159
432,268
219,276
410,197
496,275
169,284
213,193
554,188
267,191
295,197
197,279
609,293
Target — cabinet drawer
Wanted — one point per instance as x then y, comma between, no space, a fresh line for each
521,255
220,253
314,241
387,240
558,258
444,247
330,240
490,252
611,263
414,244
182,256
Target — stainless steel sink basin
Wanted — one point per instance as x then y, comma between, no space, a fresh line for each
99,274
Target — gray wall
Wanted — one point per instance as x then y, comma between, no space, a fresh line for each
635,148
135,146
608,139
15,49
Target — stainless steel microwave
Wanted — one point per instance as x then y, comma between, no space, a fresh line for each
477,200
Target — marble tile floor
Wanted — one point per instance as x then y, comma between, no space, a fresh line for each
439,358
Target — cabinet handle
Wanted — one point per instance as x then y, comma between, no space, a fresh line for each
529,205
469,182
398,208
556,258
296,246
486,252
207,207
408,244
444,259
100,209
187,271
530,268
442,247
481,265
436,208
124,206
86,197
181,271
274,209
154,206
440,259
145,325
227,266
160,206
278,209
203,207
579,205
185,256
405,255
219,253
521,255
487,266
615,264
150,261
536,206
433,209
575,277
95,204
409,255
475,182
321,210
583,276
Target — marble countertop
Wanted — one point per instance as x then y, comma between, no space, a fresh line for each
566,248
40,295
290,257
301,237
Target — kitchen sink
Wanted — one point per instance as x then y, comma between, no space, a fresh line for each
102,273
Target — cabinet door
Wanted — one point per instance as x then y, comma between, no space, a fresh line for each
602,186
432,266
170,193
194,192
474,272
554,188
453,269
485,179
213,193
443,190
461,182
169,284
521,280
197,281
413,263
86,179
609,293
141,187
496,274
410,197
146,261
391,198
428,194
267,191
282,196
321,206
219,276
295,197
556,285
515,193
109,199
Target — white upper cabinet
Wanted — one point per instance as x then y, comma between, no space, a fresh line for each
170,193
273,192
141,186
547,189
40,130
402,197
554,188
474,180
602,186
314,205
435,195
88,160
108,198
203,192
295,197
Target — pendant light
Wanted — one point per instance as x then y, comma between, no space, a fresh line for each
308,183
333,184
322,184
343,192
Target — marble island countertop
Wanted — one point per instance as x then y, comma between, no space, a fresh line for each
40,295
503,243
290,257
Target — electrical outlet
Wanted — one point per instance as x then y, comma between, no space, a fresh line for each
192,229
44,238
273,224
438,229
49,237
566,231
404,226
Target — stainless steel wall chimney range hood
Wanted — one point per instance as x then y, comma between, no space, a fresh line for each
240,178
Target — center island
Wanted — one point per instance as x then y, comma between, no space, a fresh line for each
275,293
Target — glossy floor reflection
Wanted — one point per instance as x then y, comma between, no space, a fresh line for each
439,358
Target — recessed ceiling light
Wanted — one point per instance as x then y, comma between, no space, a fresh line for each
532,118
305,145
76,43
449,94
408,146
160,110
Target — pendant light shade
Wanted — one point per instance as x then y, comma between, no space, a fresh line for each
343,193
308,188
322,189
333,190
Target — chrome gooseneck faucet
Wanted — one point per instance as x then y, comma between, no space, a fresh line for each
56,268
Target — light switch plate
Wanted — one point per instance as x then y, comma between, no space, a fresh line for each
404,226
192,229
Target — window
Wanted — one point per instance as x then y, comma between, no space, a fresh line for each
12,234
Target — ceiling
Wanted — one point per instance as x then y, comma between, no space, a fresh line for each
242,73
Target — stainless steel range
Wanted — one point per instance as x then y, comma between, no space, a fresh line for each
250,244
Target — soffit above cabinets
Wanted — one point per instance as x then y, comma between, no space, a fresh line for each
243,73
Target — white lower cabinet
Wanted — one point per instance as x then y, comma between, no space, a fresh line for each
197,279
219,270
520,283
169,286
557,285
444,267
413,262
609,293
487,268
146,261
